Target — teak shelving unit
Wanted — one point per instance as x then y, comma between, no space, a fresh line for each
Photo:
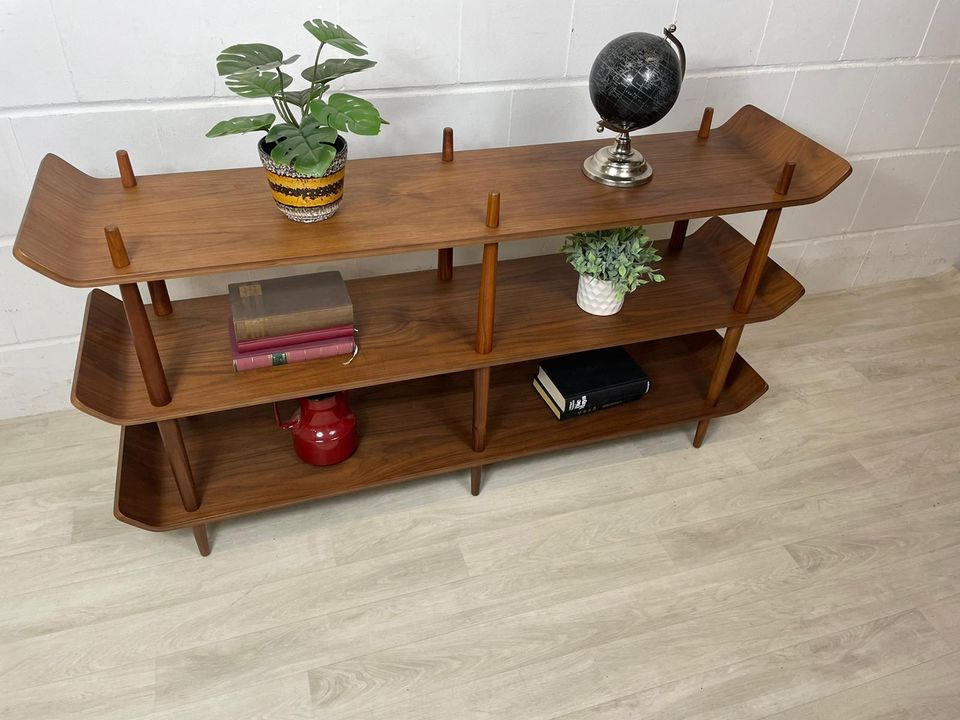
439,385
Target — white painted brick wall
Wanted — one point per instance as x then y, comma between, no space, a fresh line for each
876,79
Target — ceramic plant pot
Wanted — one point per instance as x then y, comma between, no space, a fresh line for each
303,198
598,297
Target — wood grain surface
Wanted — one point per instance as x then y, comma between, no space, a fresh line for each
414,325
199,223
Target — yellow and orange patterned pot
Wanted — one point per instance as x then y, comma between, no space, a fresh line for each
303,198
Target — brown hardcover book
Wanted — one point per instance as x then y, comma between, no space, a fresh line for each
282,306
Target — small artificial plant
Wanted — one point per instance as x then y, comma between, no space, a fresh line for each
306,135
622,256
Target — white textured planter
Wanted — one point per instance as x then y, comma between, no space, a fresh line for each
597,297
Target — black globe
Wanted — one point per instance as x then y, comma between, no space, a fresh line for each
635,80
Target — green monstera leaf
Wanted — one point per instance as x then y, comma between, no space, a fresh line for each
302,97
332,69
237,125
332,34
347,113
255,84
252,56
308,149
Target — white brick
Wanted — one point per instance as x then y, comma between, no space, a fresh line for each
38,307
825,104
831,216
687,111
34,70
943,127
888,29
942,36
721,34
418,46
15,182
832,263
943,202
806,31
479,119
894,255
557,114
767,90
131,50
36,379
941,252
897,107
597,22
89,139
896,191
788,256
507,40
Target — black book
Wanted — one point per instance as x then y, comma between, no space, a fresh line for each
587,381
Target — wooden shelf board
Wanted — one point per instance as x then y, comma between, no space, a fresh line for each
413,325
184,224
243,464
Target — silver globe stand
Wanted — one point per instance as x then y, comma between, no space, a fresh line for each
618,165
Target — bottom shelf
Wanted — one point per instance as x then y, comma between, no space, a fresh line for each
243,464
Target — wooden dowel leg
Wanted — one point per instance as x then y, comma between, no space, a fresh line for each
445,264
678,235
728,351
160,298
145,345
127,178
704,132
487,301
172,437
475,476
481,406
757,262
203,541
118,251
447,153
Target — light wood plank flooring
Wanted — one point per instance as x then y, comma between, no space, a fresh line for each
804,564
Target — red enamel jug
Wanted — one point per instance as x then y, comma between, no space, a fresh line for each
324,429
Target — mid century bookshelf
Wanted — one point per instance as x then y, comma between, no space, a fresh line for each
442,380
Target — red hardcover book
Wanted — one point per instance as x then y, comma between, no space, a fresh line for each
285,356
284,341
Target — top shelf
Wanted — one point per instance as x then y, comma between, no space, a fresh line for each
184,224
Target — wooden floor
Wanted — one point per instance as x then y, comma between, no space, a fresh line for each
803,565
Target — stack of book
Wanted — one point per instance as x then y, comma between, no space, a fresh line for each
289,320
585,382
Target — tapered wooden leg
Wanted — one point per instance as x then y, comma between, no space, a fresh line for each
728,351
487,300
145,345
678,235
475,473
757,262
445,264
203,541
172,437
160,298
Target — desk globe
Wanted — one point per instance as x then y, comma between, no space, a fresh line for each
634,82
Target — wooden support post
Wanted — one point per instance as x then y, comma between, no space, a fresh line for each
145,345
118,251
127,178
172,437
487,300
728,351
445,264
481,407
447,152
476,474
493,210
678,235
705,123
786,176
757,262
159,297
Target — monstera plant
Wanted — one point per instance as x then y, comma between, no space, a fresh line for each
303,151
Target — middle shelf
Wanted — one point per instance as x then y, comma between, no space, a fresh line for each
413,325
